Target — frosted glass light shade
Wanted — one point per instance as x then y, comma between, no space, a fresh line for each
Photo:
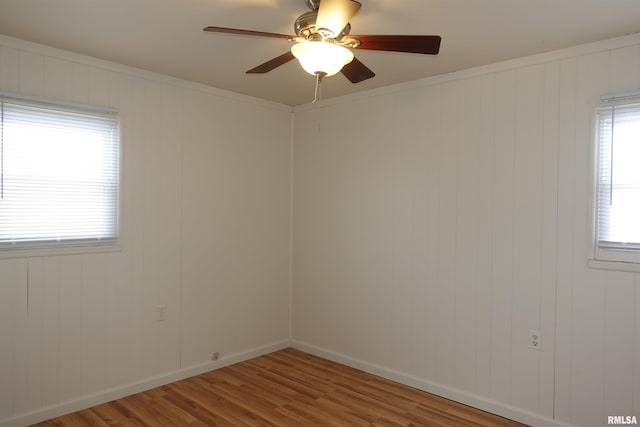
321,57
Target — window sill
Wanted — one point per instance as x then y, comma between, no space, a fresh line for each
10,253
614,265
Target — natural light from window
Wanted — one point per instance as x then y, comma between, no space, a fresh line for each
618,207
625,204
59,176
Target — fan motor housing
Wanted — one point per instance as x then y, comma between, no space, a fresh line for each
305,26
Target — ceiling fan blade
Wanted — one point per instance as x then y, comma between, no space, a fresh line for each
356,71
429,45
334,15
247,32
272,64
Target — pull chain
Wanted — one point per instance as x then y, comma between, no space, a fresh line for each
318,92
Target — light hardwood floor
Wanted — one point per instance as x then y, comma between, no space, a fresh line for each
285,388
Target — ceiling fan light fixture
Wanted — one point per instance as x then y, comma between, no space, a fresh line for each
321,57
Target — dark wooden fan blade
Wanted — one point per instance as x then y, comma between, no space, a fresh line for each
272,64
247,32
356,71
429,45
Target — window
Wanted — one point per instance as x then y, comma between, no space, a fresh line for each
617,181
59,175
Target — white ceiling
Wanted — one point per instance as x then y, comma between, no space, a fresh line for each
166,36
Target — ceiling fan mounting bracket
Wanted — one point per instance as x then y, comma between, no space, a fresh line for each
349,42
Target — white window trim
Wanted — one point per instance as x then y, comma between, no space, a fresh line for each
82,247
606,258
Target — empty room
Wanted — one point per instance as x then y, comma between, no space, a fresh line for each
319,212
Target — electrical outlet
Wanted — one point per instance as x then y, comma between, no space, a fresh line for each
215,356
161,313
535,340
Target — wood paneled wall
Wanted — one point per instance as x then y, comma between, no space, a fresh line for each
437,223
434,225
205,231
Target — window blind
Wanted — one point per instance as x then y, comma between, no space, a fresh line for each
618,180
59,175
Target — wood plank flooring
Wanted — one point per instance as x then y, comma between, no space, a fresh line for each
285,388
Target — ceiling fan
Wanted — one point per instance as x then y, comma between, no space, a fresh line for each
323,42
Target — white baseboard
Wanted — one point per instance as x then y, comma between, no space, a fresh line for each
466,398
87,401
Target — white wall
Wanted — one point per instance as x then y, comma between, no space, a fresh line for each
436,223
206,222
